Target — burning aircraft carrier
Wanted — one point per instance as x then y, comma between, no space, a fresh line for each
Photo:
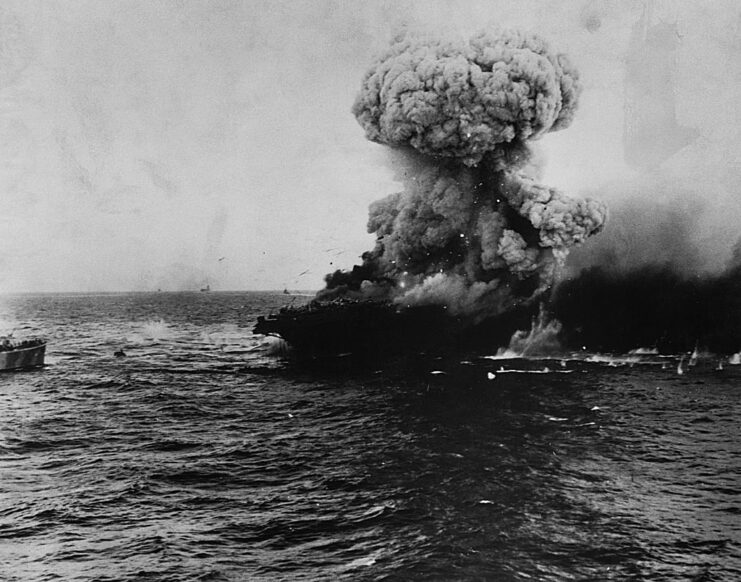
471,245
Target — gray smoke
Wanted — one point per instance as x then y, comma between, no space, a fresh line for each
472,229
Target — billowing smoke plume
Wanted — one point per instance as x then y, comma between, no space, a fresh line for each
656,277
466,100
646,283
651,306
472,230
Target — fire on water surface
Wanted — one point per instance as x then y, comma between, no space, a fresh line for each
472,233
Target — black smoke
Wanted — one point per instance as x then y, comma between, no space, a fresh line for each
644,283
651,306
471,231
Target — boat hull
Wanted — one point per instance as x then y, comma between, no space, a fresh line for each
22,358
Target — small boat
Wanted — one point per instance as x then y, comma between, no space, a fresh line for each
21,355
206,289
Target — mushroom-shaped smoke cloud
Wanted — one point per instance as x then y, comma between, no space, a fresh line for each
467,99
471,230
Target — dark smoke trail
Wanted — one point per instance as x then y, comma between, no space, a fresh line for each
472,230
646,283
651,306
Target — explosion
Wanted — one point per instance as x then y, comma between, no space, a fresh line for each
472,229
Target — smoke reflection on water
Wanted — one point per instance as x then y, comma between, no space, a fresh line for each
183,461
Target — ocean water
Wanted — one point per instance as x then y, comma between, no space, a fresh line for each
201,455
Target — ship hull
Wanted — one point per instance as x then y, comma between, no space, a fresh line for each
371,331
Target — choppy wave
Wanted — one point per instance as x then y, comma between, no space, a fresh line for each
200,454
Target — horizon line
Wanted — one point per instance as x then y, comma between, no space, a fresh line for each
156,291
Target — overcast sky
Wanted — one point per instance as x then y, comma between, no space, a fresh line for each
152,144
